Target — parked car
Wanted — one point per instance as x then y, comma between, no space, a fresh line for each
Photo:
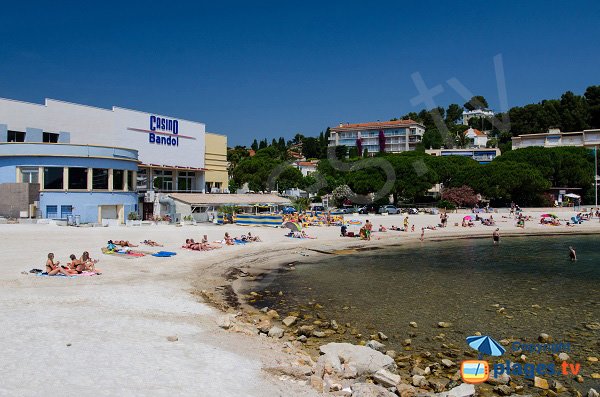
317,208
368,209
389,209
412,211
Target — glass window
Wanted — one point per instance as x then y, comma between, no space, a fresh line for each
100,179
142,179
29,175
52,211
78,178
118,179
163,180
50,137
53,178
15,136
66,210
130,185
185,180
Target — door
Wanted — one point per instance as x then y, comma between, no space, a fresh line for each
147,211
109,212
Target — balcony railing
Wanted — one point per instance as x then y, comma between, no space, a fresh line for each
65,149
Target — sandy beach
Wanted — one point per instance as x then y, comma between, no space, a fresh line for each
108,334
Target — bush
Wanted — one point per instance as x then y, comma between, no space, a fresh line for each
446,204
133,216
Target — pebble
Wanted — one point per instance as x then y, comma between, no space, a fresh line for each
172,338
319,334
264,309
68,344
503,390
544,338
448,363
595,375
275,332
540,383
407,342
592,359
443,324
593,326
563,356
419,380
579,379
373,344
302,338
413,324
382,336
272,314
592,393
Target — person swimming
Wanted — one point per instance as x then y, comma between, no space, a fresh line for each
572,254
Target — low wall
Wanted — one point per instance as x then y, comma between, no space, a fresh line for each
16,197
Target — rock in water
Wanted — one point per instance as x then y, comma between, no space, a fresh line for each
563,356
370,390
464,390
419,381
289,321
275,332
413,324
443,324
501,379
540,383
448,363
503,390
382,336
406,390
273,314
365,360
373,344
558,387
592,393
544,338
386,378
172,338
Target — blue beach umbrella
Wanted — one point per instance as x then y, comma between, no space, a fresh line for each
485,345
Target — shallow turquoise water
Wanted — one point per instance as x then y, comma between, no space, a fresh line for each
459,282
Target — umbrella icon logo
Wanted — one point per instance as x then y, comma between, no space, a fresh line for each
478,371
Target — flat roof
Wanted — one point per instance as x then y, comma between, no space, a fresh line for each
229,199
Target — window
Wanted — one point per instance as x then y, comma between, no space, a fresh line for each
130,185
78,178
142,179
15,136
29,174
53,178
163,180
185,181
118,179
50,137
51,211
66,210
100,179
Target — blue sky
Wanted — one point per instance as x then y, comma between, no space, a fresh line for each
276,68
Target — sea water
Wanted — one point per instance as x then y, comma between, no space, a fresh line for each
516,290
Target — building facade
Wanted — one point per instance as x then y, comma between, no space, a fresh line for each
395,136
307,167
481,155
138,152
478,138
555,138
479,113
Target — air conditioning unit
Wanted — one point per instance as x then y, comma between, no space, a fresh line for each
149,197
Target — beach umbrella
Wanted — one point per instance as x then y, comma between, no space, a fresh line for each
293,226
485,345
467,218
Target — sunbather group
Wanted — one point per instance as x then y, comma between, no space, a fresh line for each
76,266
201,246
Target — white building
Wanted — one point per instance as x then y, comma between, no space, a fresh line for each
479,138
479,113
554,137
395,136
307,167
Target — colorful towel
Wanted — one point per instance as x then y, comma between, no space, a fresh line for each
164,254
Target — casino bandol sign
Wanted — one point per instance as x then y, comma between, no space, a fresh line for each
163,131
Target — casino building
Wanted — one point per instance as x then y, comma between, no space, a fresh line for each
60,160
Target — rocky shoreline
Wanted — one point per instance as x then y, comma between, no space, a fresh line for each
330,367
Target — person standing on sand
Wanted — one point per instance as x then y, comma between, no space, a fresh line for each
368,229
572,254
406,223
422,233
496,236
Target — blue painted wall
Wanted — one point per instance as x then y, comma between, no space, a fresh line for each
86,204
8,173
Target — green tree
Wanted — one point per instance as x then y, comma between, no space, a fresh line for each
476,102
453,113
254,145
432,139
592,96
289,178
574,112
263,144
311,149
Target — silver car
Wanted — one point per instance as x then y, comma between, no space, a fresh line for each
389,209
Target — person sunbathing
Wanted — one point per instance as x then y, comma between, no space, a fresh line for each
228,239
382,228
76,265
89,263
255,239
152,243
53,268
124,243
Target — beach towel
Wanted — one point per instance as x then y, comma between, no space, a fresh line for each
164,254
239,242
82,274
123,253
